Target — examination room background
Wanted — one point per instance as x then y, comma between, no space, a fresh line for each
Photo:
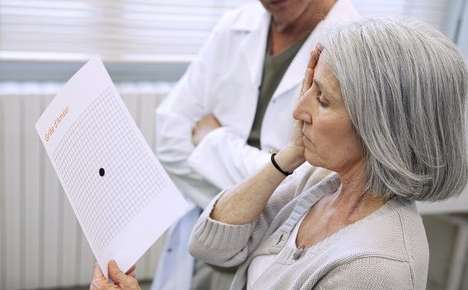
146,46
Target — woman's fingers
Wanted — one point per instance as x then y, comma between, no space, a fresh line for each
309,75
115,274
124,281
308,79
314,56
121,280
100,282
102,285
98,273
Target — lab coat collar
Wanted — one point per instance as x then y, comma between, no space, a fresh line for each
253,17
255,21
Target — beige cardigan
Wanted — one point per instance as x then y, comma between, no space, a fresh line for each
386,250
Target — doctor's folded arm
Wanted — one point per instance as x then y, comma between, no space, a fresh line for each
379,124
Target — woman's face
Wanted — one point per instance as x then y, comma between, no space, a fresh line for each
329,138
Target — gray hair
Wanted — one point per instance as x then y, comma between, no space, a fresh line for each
404,85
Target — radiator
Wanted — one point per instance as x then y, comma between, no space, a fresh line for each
41,243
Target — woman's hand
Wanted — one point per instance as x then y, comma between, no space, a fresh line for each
296,138
293,154
204,126
123,281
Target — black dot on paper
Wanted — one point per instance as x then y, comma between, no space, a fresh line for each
102,171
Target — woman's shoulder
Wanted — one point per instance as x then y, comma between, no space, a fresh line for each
393,234
395,230
369,273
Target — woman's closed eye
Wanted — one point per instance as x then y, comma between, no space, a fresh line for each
322,101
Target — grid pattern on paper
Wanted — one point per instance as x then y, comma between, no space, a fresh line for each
104,136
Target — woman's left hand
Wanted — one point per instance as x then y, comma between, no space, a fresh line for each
123,281
203,127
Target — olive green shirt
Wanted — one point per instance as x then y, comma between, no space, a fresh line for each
274,68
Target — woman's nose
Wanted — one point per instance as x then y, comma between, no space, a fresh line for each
301,113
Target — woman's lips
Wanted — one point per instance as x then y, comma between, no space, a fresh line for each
278,2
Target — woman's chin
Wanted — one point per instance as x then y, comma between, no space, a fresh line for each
312,158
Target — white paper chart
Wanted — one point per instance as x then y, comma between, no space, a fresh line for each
120,193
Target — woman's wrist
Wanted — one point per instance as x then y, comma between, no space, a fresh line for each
290,158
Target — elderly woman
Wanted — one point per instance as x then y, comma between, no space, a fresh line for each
381,120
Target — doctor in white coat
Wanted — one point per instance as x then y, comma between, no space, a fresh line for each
204,129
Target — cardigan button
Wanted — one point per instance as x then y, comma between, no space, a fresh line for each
298,253
280,239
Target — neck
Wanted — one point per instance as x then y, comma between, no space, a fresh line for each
285,34
351,198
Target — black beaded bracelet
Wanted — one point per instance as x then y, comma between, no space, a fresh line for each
286,173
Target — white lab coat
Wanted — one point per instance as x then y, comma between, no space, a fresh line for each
224,80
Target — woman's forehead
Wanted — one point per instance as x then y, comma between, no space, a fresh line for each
324,76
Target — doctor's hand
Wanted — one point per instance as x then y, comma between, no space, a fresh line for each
204,126
122,281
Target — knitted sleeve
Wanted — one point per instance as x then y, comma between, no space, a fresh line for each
229,245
